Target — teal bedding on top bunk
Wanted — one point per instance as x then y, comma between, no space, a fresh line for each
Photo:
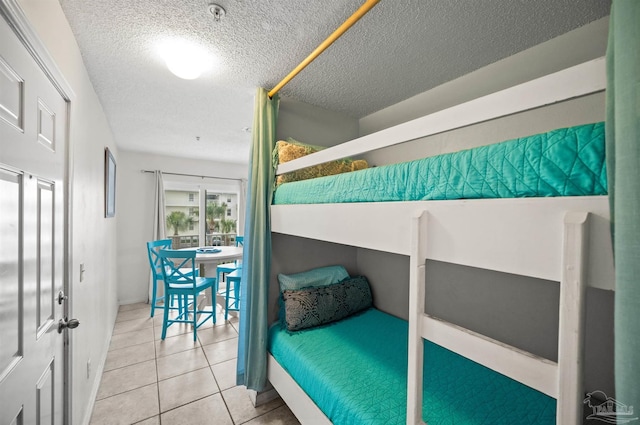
563,162
355,370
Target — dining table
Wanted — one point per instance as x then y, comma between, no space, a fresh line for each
207,256
214,255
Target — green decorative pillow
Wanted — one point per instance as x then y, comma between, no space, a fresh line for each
309,307
320,276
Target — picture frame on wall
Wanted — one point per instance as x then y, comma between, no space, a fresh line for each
109,184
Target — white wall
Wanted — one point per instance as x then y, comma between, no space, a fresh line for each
135,205
93,242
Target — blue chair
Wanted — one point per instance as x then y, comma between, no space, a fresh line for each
181,280
222,270
232,302
156,270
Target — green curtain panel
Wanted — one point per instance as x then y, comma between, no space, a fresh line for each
256,260
623,162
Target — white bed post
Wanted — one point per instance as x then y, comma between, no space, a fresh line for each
416,312
572,316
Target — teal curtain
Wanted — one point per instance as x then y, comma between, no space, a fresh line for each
256,259
623,165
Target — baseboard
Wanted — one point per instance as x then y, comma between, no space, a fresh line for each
98,378
134,301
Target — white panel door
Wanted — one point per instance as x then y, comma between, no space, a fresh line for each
33,145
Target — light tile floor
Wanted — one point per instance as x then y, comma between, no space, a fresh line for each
148,381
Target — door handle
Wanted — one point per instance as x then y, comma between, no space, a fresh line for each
68,324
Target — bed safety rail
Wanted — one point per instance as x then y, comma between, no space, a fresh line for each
573,82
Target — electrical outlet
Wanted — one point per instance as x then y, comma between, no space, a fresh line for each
88,368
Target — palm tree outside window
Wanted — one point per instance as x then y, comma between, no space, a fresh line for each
205,213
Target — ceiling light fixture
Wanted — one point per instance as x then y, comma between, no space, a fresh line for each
217,11
186,60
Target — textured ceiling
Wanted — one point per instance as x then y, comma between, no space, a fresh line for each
399,49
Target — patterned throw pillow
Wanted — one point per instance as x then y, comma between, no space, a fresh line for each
316,306
292,149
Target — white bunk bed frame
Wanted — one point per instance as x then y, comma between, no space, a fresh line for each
563,239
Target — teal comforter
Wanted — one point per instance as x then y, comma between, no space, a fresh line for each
563,162
355,371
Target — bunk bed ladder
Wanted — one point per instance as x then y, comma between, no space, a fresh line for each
572,318
561,380
417,261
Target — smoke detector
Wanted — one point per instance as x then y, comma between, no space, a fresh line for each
217,11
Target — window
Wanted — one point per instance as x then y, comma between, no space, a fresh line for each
200,213
182,217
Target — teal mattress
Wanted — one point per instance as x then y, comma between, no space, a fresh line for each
355,371
563,162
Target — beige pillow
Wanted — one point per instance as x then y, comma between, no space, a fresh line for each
292,149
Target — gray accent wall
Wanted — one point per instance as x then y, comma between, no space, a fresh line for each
316,126
291,254
313,125
575,47
583,110
388,276
516,310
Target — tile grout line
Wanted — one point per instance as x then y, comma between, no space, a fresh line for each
219,389
209,366
130,364
184,373
155,351
119,335
155,355
188,403
122,392
128,346
157,379
226,406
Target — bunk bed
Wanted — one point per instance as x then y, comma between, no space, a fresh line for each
554,236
